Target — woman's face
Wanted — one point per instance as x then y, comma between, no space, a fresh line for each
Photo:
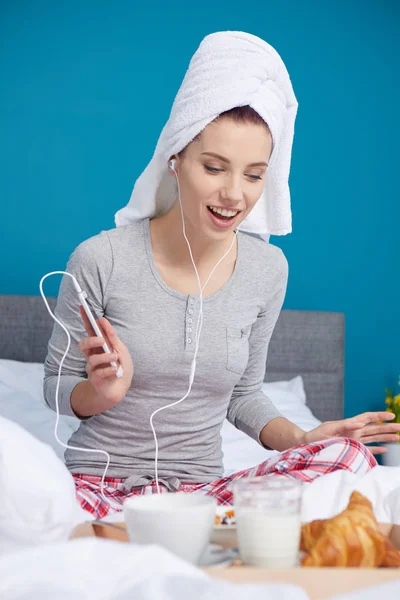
224,171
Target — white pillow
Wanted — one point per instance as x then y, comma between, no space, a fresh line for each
289,397
21,401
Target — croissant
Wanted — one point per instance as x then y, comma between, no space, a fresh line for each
351,539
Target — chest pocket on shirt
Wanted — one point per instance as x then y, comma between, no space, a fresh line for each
237,339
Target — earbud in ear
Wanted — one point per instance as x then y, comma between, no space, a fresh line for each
172,164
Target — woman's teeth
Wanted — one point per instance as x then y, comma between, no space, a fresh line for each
223,211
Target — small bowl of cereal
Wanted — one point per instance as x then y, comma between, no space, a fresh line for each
224,530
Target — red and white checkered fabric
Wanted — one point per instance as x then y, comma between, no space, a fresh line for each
305,463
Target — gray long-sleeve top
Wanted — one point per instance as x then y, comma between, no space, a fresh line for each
157,324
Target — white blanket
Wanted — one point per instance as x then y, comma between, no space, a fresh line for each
38,510
94,568
329,494
37,493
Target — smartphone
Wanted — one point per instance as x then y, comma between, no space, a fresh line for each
90,316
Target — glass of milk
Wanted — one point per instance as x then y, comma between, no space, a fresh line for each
268,519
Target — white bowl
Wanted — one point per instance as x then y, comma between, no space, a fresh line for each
180,522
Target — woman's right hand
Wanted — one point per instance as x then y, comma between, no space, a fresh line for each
102,376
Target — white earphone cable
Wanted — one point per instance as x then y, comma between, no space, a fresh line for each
198,331
199,325
109,501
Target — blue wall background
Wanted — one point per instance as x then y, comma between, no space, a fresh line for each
85,89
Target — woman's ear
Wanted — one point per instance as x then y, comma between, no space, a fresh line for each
172,165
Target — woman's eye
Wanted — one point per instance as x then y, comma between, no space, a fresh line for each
252,176
212,169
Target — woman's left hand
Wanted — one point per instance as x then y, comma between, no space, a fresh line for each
363,428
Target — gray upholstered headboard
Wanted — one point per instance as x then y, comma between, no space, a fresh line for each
304,343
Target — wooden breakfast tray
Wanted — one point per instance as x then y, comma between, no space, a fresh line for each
319,583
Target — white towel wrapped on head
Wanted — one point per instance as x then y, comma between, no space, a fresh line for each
229,69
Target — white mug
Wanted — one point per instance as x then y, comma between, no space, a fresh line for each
180,522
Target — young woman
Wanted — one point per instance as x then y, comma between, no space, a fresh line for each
141,280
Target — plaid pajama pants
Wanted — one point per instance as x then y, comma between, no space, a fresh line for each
305,463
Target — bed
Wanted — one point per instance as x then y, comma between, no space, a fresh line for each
304,374
306,346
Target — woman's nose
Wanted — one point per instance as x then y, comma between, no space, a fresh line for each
233,190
